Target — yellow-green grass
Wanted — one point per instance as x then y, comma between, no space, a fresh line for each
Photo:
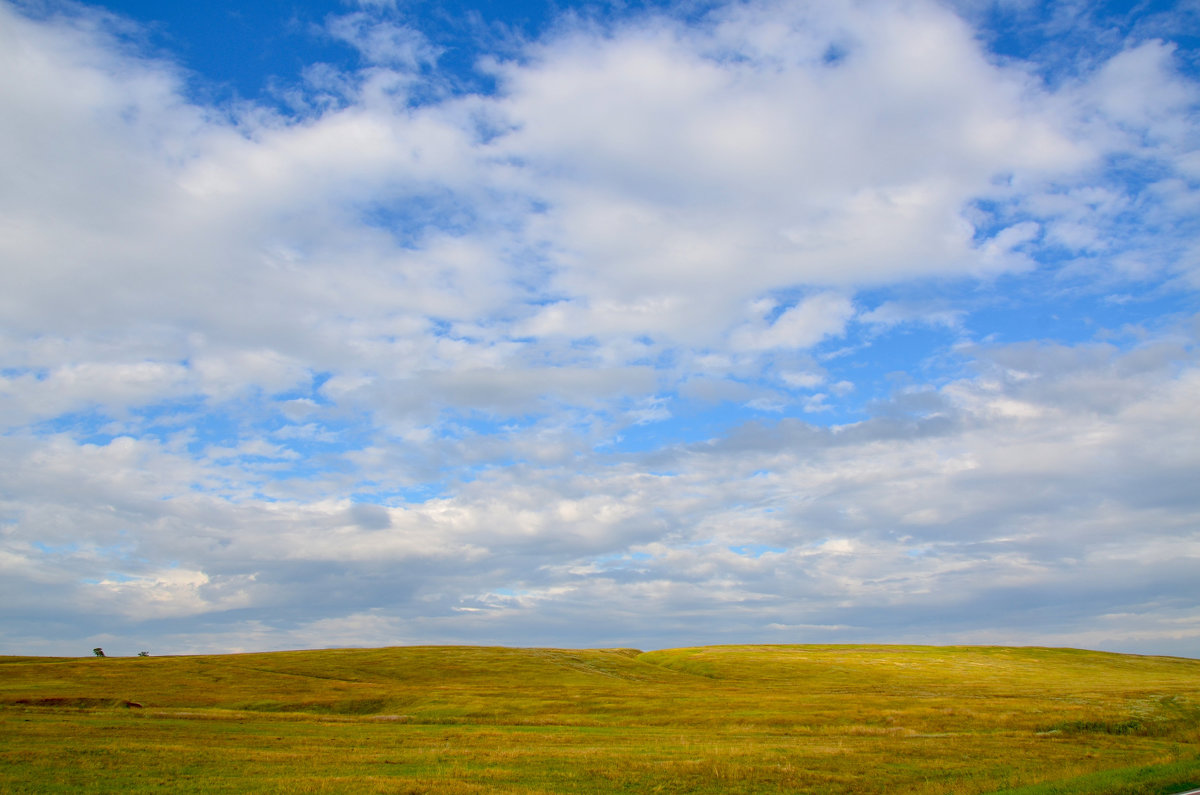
828,719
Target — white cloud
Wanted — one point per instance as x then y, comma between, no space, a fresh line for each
1140,87
803,380
800,326
863,520
677,187
383,42
666,166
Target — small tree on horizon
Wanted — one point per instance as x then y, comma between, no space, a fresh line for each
99,652
143,654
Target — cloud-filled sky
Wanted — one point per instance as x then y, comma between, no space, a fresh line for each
330,323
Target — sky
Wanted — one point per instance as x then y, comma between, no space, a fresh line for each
649,324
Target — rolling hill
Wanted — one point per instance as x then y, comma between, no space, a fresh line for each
830,719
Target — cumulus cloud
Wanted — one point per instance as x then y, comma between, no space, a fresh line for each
799,326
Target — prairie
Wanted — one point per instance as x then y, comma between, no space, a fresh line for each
728,719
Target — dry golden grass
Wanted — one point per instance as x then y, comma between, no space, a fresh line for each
830,719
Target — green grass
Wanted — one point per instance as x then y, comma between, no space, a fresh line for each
828,719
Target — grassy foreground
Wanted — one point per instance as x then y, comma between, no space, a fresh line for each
827,719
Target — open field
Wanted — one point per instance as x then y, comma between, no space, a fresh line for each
829,719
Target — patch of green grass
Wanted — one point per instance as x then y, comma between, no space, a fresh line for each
1162,779
830,719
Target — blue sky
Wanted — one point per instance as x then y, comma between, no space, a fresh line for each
613,324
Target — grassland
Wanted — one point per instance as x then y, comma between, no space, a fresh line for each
730,719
